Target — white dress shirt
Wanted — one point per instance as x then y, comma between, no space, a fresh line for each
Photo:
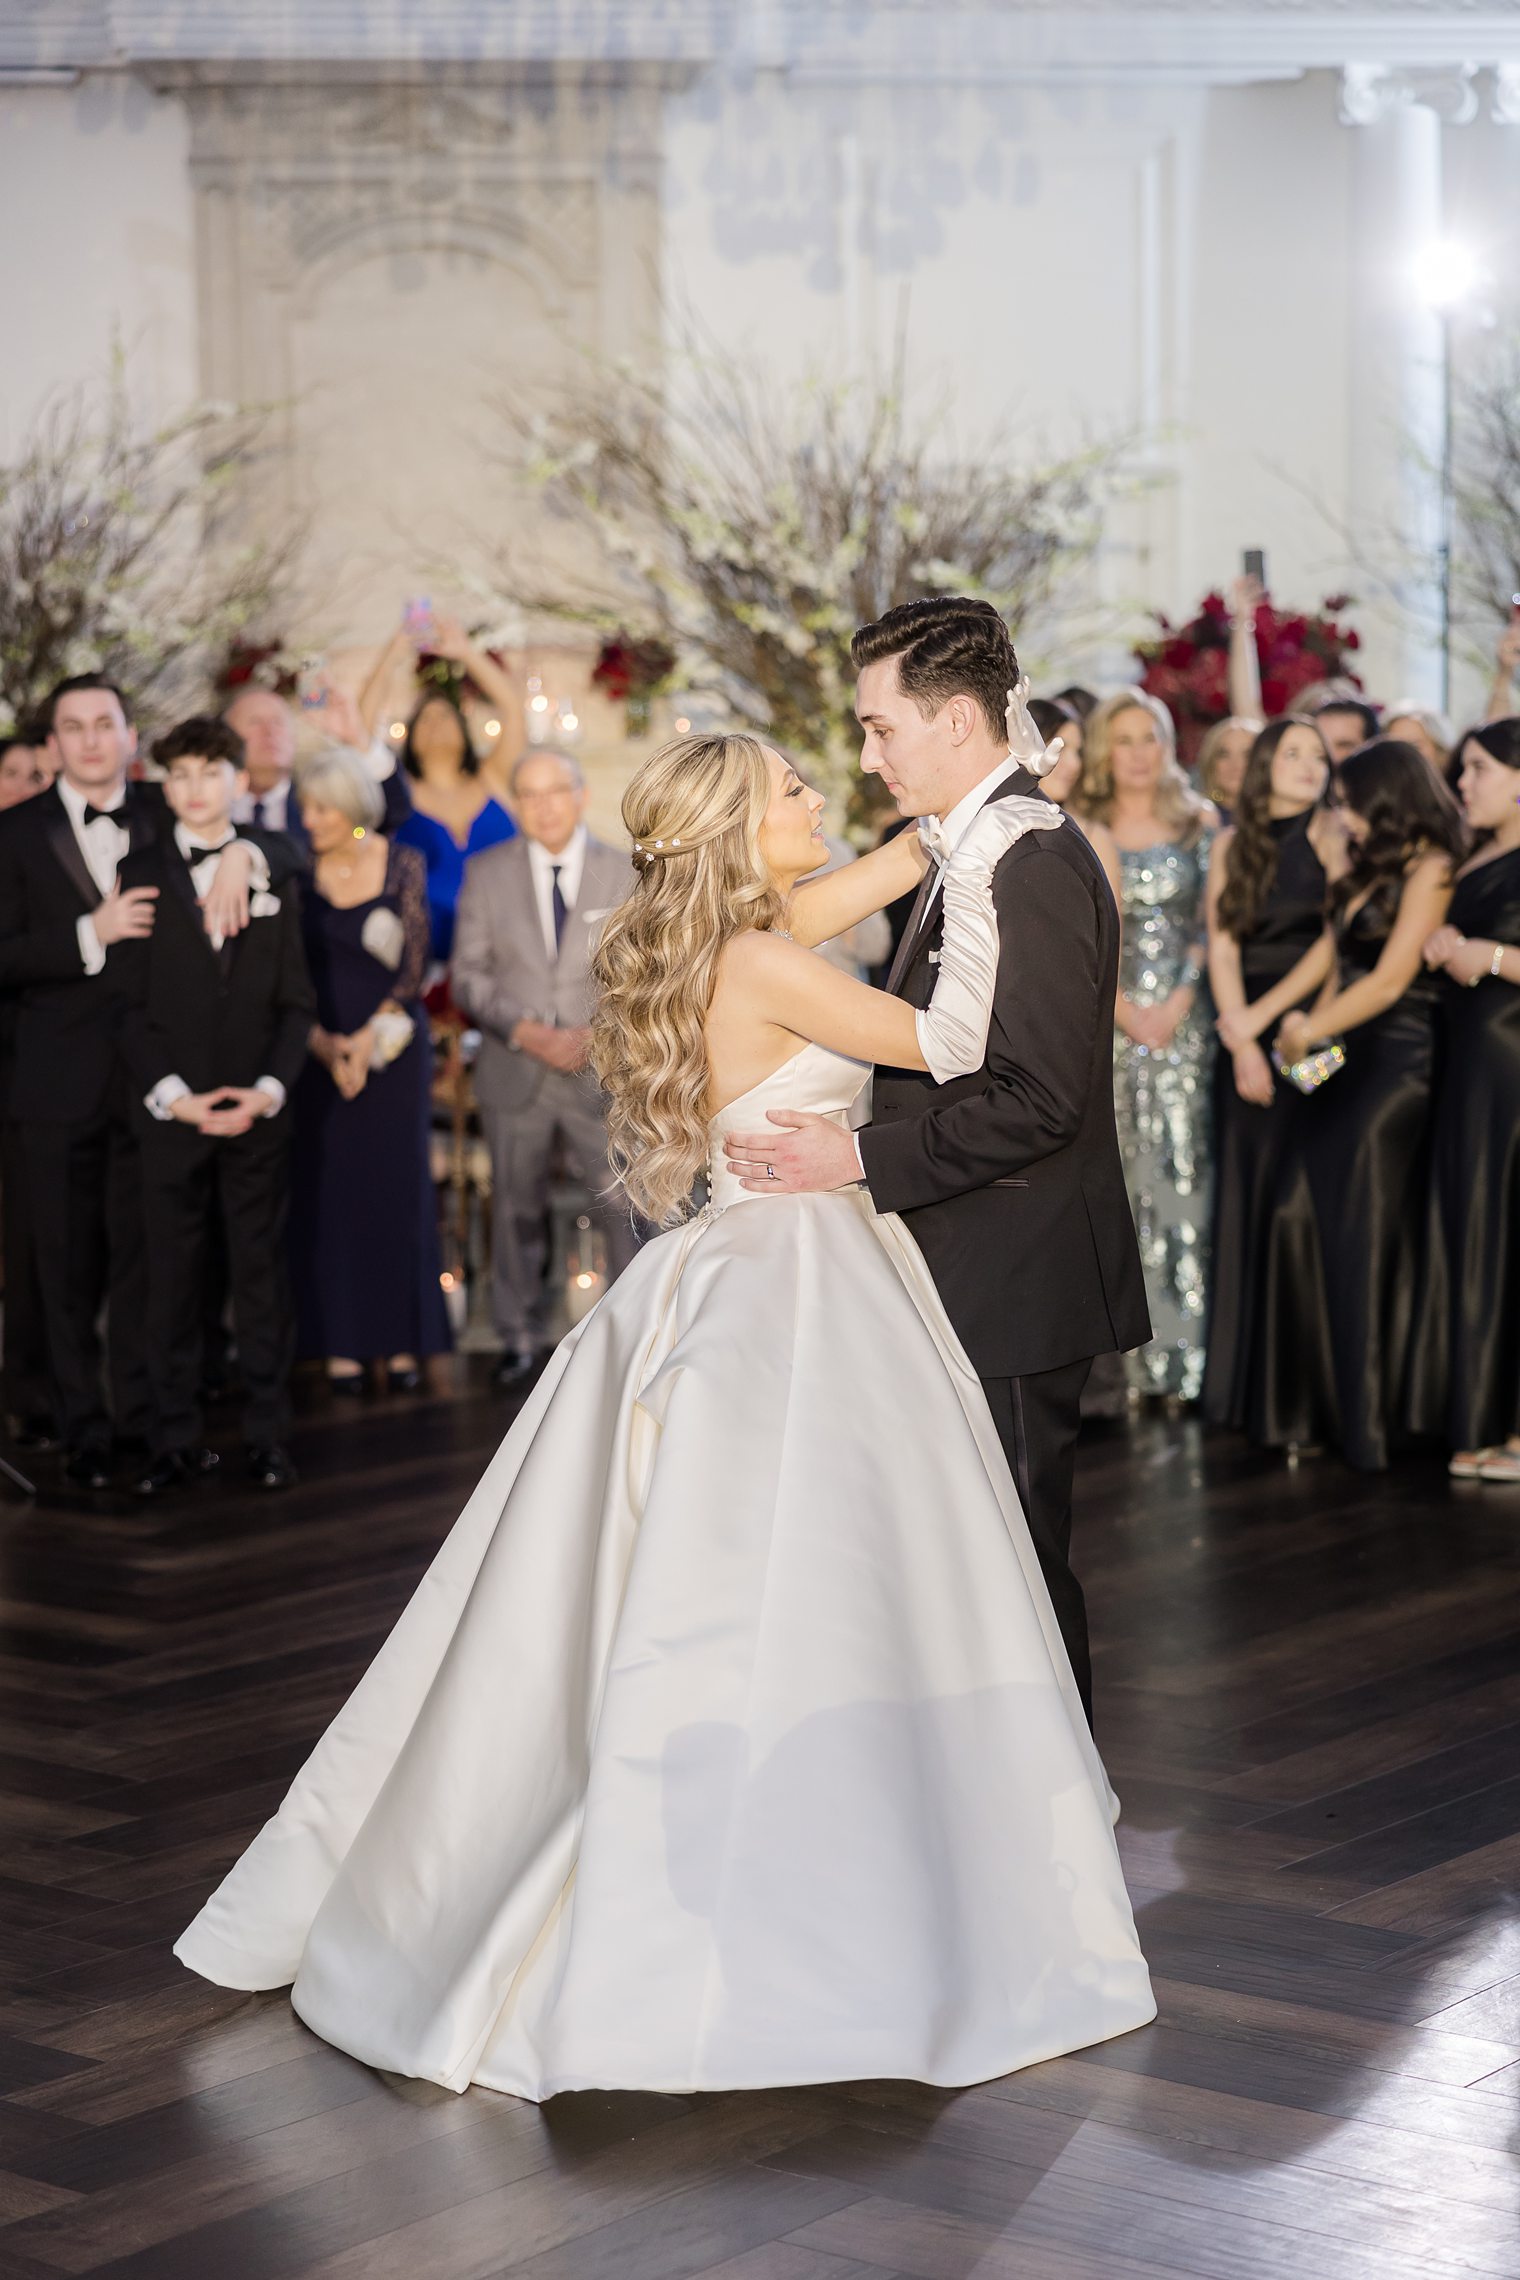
273,807
378,757
950,830
569,863
103,843
204,858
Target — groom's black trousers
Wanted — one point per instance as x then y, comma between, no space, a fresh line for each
1038,1419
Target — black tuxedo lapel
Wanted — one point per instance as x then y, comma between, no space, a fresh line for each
67,849
177,872
914,933
142,827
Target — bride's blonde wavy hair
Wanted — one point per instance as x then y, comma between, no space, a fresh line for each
694,813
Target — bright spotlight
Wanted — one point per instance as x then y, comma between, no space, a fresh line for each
1445,273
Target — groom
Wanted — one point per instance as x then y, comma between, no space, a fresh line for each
1009,1180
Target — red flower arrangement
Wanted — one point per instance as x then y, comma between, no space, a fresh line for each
627,668
1188,667
257,665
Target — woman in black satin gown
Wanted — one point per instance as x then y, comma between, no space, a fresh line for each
1348,1209
1266,902
1466,1384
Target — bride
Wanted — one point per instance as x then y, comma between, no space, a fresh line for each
729,1740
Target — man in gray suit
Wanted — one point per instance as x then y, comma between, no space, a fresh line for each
530,912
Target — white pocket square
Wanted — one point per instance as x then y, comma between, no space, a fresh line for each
264,906
595,917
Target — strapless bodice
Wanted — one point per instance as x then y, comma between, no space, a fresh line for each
827,1083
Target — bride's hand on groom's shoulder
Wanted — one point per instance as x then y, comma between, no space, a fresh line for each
802,1154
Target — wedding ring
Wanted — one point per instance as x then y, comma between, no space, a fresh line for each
770,1171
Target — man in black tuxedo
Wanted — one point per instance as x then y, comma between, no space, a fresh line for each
1010,1179
61,909
214,1036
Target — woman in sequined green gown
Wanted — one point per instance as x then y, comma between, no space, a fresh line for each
1163,1033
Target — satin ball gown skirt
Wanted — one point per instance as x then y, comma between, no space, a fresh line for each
729,1741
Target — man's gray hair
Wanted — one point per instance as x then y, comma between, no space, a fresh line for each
337,777
548,752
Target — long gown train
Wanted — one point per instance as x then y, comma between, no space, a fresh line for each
729,1740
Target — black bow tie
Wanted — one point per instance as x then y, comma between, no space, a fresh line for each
198,847
101,815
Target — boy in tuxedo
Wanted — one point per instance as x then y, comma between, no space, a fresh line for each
214,1035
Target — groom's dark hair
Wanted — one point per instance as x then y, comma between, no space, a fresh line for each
946,647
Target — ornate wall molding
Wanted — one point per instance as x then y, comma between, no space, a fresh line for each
1371,91
1191,41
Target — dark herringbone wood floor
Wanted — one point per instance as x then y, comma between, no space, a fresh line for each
1310,1699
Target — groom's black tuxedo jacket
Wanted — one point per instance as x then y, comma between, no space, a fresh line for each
1010,1180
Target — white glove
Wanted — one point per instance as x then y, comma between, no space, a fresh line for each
1025,743
952,1028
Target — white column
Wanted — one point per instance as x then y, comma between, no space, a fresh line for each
1398,398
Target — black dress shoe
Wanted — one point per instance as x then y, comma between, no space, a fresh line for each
350,1385
174,1469
32,1432
512,1370
404,1380
271,1468
88,1466
164,1472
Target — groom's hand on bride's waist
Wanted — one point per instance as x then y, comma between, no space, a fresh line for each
799,1155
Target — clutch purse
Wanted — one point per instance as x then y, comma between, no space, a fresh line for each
393,1033
1315,1069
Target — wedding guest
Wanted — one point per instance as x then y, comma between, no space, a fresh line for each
1082,702
215,1037
1426,731
1268,880
266,725
1132,783
1467,1382
1345,723
530,914
363,1221
1222,758
28,1400
459,804
1054,718
1226,747
61,909
25,765
1342,1246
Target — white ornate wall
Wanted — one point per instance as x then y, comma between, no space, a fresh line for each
1184,215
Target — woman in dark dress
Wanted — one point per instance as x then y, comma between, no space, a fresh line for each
363,1222
1348,1208
1467,1370
1267,887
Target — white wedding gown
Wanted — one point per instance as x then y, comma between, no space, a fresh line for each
729,1740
